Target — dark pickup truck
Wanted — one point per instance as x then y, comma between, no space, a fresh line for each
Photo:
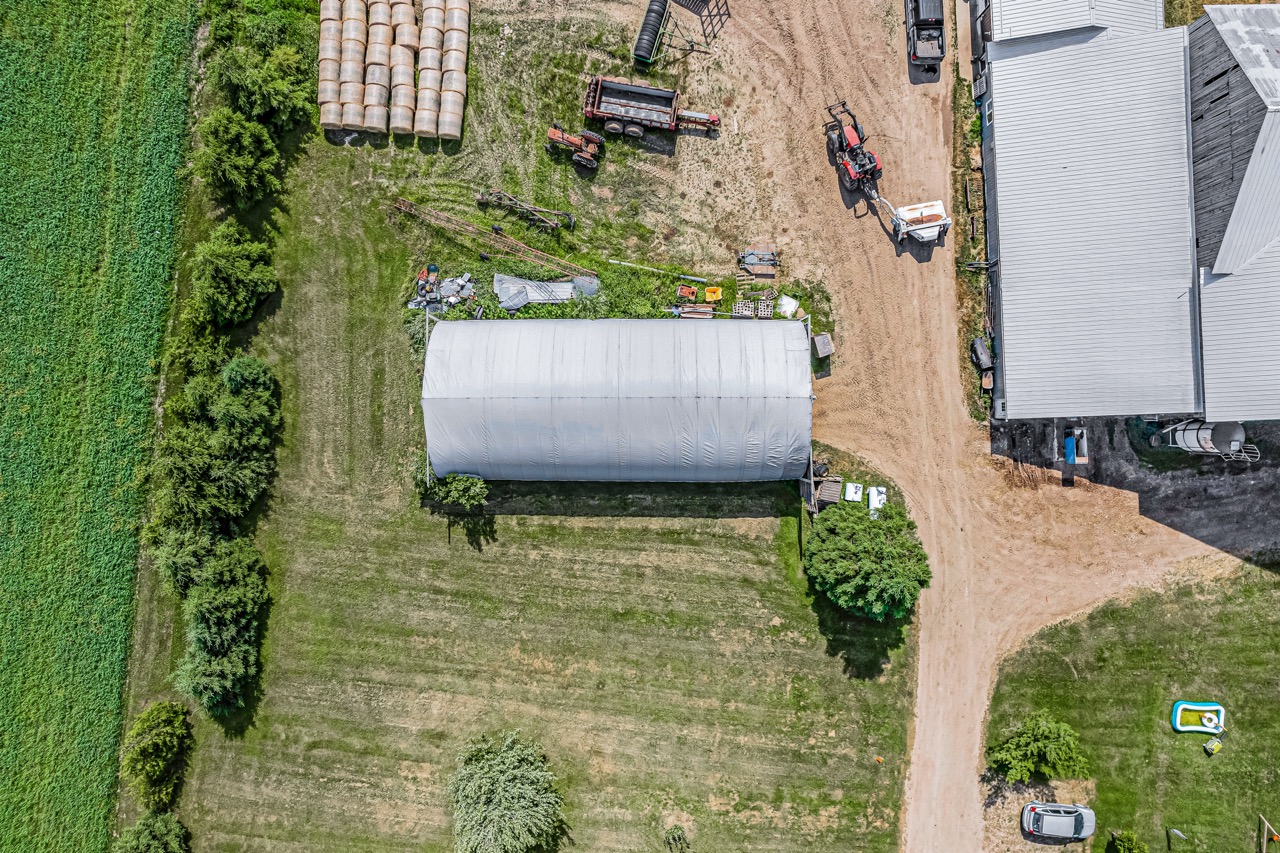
926,44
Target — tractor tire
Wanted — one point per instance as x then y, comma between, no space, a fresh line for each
612,126
635,131
592,136
584,161
551,149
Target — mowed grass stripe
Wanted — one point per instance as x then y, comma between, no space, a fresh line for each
94,99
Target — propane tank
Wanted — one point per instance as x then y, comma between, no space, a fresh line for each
1207,438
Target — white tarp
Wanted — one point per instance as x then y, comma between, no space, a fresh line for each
625,400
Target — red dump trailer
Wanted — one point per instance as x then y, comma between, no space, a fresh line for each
629,108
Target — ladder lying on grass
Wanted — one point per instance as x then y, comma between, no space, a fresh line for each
492,238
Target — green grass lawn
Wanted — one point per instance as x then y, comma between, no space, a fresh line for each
1114,677
93,97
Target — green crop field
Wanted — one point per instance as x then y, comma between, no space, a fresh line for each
93,97
1114,677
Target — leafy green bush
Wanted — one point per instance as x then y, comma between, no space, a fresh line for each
273,88
1127,842
236,158
222,609
217,459
154,833
459,490
873,567
230,275
1039,746
676,839
503,797
155,754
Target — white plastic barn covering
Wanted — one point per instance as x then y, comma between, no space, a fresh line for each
628,400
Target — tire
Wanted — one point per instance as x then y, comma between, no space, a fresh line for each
635,131
592,136
613,126
551,149
584,161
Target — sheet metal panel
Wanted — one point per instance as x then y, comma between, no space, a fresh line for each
627,400
1015,19
1255,218
1240,324
1095,229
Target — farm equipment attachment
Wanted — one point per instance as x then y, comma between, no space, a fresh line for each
587,147
628,108
543,217
858,166
927,222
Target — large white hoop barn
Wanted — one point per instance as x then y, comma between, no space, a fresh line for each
621,400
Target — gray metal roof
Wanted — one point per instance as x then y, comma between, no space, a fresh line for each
1240,323
628,400
1014,19
1095,229
1253,35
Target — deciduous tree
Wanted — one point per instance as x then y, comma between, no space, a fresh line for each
503,797
1039,746
155,754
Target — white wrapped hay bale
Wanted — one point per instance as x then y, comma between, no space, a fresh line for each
354,10
354,31
424,123
331,49
454,60
433,19
329,70
449,125
401,55
454,81
375,95
407,35
352,93
330,92
330,10
404,96
401,120
331,30
379,14
331,116
401,75
429,78
429,39
377,54
353,51
375,119
430,59
377,75
455,40
351,71
429,100
457,19
381,34
401,15
353,116
464,5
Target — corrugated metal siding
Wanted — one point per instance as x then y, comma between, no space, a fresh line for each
1096,260
623,400
1016,19
1255,219
1021,18
1240,323
1129,17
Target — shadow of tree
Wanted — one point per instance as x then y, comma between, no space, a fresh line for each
479,528
863,645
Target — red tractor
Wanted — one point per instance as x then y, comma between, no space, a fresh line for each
857,165
587,147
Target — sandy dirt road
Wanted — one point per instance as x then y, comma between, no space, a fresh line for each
1010,555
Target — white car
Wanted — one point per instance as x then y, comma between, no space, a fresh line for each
1058,821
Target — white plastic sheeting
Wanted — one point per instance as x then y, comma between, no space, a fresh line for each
623,400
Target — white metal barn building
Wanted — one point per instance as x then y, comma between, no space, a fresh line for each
1131,182
624,400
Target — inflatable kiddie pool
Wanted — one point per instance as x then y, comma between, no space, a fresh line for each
1204,717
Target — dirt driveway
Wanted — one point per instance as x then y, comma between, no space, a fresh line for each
1010,553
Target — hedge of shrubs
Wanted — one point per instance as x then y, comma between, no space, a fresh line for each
216,457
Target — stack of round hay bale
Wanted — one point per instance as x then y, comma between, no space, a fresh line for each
404,23
355,33
377,67
329,96
453,81
430,57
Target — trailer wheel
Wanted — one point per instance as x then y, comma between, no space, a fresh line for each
613,127
635,131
